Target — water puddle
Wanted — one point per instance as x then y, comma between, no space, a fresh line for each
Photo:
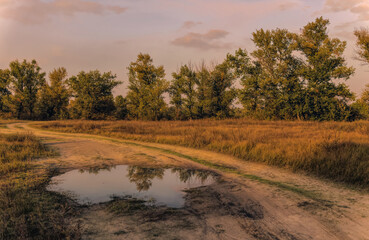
158,186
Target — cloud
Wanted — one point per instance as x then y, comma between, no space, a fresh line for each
39,11
190,24
287,5
204,41
357,7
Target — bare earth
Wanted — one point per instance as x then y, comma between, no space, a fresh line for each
234,208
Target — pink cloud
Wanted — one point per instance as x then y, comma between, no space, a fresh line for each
190,24
226,8
357,7
38,11
204,41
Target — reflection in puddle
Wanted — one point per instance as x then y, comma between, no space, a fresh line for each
163,186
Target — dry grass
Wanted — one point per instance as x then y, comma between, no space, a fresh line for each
334,150
27,211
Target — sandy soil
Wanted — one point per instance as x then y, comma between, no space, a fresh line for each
234,208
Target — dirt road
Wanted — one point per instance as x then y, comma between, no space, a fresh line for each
235,208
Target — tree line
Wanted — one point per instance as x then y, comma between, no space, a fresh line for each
287,76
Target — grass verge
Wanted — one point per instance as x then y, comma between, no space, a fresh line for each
332,150
27,210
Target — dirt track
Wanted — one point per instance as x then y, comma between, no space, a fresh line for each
235,208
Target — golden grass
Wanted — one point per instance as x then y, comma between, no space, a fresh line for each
27,210
334,150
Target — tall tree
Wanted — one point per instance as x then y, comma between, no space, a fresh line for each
362,44
221,92
25,79
121,110
54,98
4,88
292,76
271,84
361,105
147,85
202,94
183,92
93,94
324,98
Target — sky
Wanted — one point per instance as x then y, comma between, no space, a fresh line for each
109,34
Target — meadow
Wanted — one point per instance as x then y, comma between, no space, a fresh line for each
27,210
338,151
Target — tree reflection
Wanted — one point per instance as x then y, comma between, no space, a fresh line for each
186,175
143,177
96,169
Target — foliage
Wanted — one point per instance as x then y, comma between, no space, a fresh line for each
287,76
204,93
183,93
25,80
4,88
361,106
53,99
221,93
362,43
121,110
147,85
324,99
93,94
279,84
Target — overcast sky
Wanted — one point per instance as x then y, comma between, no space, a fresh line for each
108,34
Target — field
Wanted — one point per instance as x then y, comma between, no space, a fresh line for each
332,150
27,211
275,180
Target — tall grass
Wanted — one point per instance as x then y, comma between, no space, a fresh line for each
27,211
334,150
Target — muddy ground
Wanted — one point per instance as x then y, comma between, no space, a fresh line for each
232,208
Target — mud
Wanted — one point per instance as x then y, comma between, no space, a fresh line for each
234,208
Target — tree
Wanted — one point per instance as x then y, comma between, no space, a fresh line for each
25,79
202,93
93,94
54,98
183,92
361,106
324,99
362,44
221,93
270,79
292,76
121,110
4,88
147,85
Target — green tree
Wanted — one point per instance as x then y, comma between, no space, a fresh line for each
361,106
271,84
4,88
54,98
25,79
221,92
145,99
202,94
324,98
183,92
93,94
292,76
121,110
362,44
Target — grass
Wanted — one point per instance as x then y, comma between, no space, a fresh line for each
27,210
334,150
126,206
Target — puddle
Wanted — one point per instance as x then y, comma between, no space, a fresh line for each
158,186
